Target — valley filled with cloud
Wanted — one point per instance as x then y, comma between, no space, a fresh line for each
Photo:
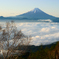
41,32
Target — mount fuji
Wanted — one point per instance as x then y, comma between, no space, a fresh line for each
36,13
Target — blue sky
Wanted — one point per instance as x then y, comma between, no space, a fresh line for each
16,7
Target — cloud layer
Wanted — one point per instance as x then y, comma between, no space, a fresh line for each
41,32
44,33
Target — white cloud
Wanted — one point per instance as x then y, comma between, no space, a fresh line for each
52,27
41,32
45,30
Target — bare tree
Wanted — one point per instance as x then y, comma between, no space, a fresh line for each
12,39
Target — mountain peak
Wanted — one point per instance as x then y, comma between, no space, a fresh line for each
36,13
36,10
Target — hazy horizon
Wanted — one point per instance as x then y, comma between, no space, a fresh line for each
17,7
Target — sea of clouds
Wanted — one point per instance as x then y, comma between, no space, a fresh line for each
41,32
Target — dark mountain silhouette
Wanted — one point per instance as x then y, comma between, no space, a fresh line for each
55,20
34,48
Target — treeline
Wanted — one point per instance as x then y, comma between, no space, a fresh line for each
44,52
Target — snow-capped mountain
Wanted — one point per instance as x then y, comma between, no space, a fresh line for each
36,10
36,13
